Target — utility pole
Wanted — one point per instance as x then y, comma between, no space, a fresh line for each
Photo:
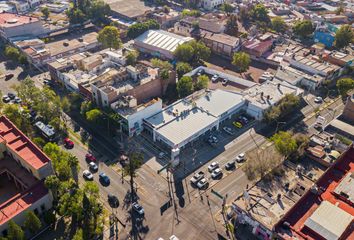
211,213
185,180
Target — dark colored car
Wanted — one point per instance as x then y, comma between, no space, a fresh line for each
68,143
230,165
11,95
104,179
113,201
90,158
9,76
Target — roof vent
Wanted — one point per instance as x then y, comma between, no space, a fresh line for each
12,21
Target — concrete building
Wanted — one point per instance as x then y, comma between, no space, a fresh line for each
221,44
133,114
129,10
23,168
13,25
208,22
159,43
211,4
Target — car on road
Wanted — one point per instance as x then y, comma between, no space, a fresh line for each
228,130
93,166
162,155
216,173
87,175
318,100
212,140
104,178
243,120
214,78
11,95
197,177
113,200
9,76
225,81
203,183
241,157
90,158
68,143
230,165
237,124
138,208
17,100
6,99
213,166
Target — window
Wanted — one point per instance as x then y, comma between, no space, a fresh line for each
43,207
35,211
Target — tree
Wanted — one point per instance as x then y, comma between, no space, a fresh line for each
32,222
12,53
183,68
65,104
22,59
39,142
279,25
232,25
45,12
109,37
78,235
18,117
98,11
202,82
132,57
242,61
15,232
75,15
185,86
227,8
184,53
135,161
157,63
284,143
93,115
52,182
344,85
303,28
260,14
244,14
344,36
139,28
190,13
287,105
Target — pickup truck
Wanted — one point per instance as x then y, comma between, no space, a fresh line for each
197,177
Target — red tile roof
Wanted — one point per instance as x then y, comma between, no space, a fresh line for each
21,202
19,143
11,20
307,205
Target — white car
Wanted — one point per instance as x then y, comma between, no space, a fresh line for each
225,81
87,175
214,78
17,100
162,155
318,100
138,208
203,183
6,99
241,157
228,130
213,166
93,166
216,173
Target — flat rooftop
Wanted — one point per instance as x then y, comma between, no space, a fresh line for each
311,201
186,117
276,90
269,200
130,9
8,20
20,144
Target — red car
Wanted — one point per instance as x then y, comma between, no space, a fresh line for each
68,143
90,158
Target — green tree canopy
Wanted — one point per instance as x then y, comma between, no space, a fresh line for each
75,15
227,8
260,14
12,53
53,183
32,222
15,232
158,63
139,28
232,25
279,25
184,53
344,85
242,61
93,115
78,235
185,86
284,143
344,36
202,82
98,11
132,57
190,13
192,52
45,12
286,105
183,68
109,37
303,28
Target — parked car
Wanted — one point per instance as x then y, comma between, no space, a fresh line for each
197,177
230,165
17,100
104,178
113,200
138,208
68,143
11,95
237,124
225,81
216,173
214,78
6,99
9,76
203,183
90,158
243,120
318,100
213,166
87,175
228,130
93,166
213,139
162,155
240,158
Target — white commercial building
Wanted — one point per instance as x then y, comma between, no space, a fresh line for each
159,43
211,4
